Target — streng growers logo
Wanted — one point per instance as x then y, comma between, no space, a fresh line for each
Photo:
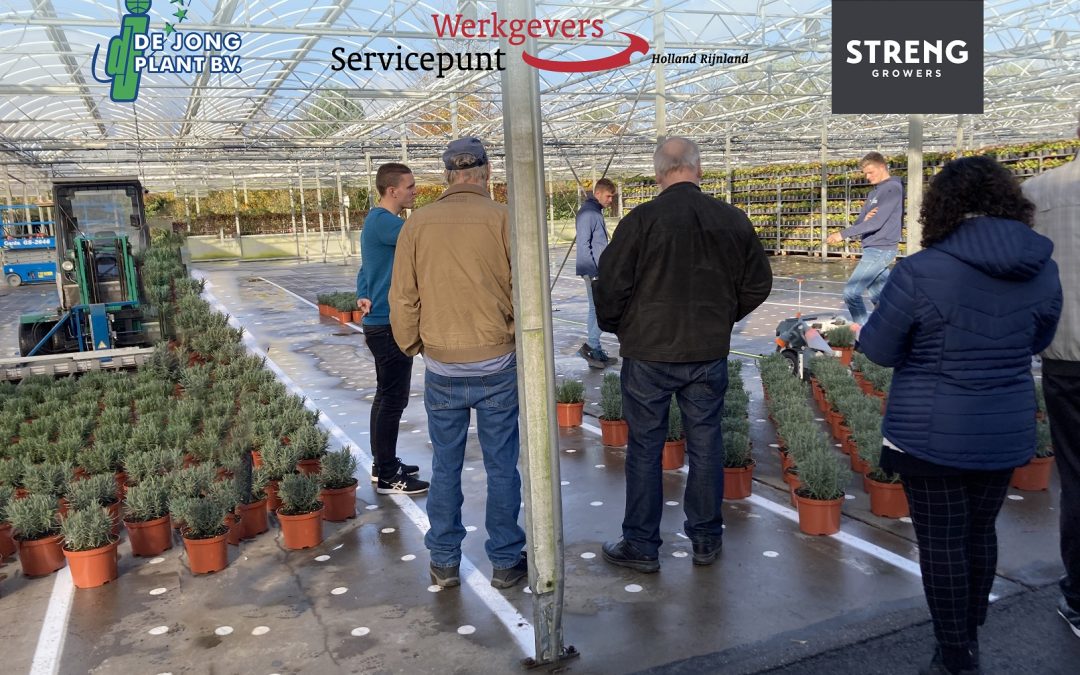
907,56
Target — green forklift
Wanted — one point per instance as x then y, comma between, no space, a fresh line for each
101,229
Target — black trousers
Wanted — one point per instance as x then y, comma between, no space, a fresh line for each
954,524
1062,388
393,371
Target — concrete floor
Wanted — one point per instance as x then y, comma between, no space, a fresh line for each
362,601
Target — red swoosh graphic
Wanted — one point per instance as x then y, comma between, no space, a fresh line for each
618,60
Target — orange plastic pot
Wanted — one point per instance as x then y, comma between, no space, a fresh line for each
844,353
1033,476
253,519
887,499
256,459
232,537
93,568
115,515
301,531
569,414
7,544
738,481
207,555
614,433
357,316
41,557
858,464
339,504
151,537
674,455
308,467
794,483
786,462
817,516
121,484
273,501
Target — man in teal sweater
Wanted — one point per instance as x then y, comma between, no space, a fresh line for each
393,369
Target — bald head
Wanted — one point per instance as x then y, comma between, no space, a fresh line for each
677,160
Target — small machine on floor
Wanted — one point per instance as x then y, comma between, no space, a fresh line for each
800,337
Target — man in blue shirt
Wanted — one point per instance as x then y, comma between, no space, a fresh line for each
393,369
592,238
879,226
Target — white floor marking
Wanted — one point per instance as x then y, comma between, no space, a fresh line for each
50,645
516,624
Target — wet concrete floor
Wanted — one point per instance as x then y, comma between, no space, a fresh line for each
362,601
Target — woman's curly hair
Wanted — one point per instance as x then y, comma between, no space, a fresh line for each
971,185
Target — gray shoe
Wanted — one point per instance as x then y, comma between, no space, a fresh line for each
445,577
1071,616
508,577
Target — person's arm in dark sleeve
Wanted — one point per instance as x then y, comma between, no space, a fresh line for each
361,280
886,337
756,282
596,226
889,200
1047,319
614,287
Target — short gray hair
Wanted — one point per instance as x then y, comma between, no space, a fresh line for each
475,174
674,153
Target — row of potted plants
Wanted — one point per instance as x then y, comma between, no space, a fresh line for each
340,305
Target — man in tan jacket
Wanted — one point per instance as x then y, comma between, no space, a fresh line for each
451,300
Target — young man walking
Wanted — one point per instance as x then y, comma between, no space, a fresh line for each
592,239
393,369
879,226
451,298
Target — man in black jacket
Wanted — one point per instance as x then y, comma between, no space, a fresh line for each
678,273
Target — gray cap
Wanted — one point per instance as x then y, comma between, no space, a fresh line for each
464,153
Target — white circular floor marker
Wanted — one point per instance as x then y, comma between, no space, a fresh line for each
388,530
156,561
470,528
158,591
337,547
774,445
371,507
1016,498
588,555
771,554
408,557
223,630
564,483
360,632
849,497
905,519
601,466
671,503
339,590
596,503
633,588
571,450
434,588
260,630
679,554
158,630
466,630
322,558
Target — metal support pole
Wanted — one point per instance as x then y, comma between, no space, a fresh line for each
661,85
198,208
303,213
187,213
551,203
341,210
236,208
404,149
453,118
619,203
244,182
292,216
824,187
318,200
959,134
914,182
727,162
532,302
370,192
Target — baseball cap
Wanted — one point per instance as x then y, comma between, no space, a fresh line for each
464,153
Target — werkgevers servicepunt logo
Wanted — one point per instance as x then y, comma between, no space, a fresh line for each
907,56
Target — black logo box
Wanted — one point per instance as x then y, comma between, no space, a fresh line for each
951,89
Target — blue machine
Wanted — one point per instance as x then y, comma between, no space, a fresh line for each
28,253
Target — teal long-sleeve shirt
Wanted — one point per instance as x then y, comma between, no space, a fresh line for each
378,240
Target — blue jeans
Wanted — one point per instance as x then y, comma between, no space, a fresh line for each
594,329
449,401
699,389
870,275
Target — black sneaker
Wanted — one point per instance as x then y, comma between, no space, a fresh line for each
601,355
445,577
706,553
937,666
624,554
586,352
508,577
1071,616
401,484
409,469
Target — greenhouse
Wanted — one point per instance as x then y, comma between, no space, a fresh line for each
208,340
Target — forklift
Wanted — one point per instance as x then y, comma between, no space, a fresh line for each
101,228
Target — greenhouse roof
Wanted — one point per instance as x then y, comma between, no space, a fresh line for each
291,108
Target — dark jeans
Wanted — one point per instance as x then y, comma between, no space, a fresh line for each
954,525
1063,407
699,388
449,402
393,370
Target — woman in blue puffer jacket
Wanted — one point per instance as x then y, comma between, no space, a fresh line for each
959,321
